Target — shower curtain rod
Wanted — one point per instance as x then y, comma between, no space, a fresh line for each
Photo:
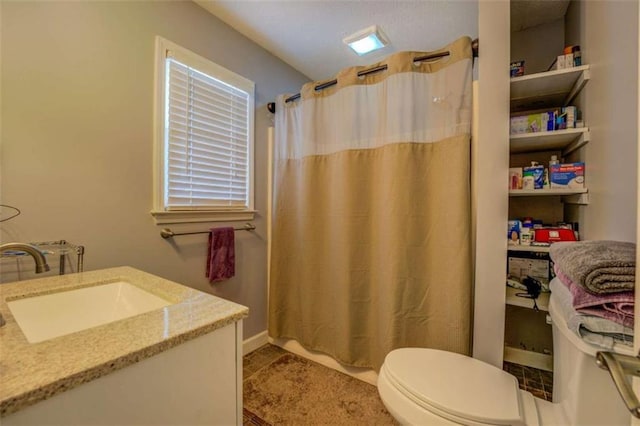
271,106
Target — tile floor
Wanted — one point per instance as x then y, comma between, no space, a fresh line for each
250,364
259,358
538,382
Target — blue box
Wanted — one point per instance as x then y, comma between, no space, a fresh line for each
517,68
568,176
537,173
513,231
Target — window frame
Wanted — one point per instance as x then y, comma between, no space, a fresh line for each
161,212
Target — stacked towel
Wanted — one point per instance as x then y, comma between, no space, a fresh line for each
594,286
594,330
617,307
598,266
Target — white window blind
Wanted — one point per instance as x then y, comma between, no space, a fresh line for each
203,139
207,141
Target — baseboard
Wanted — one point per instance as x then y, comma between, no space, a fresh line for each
254,342
365,374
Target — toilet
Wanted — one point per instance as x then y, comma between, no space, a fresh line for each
422,386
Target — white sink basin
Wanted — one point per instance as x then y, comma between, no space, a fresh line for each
52,315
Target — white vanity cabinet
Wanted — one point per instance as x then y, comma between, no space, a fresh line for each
197,382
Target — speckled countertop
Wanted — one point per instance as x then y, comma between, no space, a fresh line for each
32,372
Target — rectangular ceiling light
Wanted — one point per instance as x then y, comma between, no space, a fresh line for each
366,40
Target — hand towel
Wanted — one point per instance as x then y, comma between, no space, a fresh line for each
597,266
616,307
221,257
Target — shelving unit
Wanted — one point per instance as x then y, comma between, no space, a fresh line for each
520,356
533,92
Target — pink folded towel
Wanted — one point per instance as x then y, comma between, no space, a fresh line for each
617,307
221,257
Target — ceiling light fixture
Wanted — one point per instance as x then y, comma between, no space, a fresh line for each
367,40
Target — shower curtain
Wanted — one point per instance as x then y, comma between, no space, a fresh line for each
371,245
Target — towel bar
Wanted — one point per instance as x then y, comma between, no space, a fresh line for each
168,233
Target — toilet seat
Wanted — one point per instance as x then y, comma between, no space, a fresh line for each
456,387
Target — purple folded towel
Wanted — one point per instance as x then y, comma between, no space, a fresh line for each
221,257
617,307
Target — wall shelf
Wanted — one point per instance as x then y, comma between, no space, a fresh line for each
578,199
547,89
536,249
542,301
528,358
545,192
567,140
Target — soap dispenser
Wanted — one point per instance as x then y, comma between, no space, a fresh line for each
553,162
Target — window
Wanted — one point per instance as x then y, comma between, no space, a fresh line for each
203,140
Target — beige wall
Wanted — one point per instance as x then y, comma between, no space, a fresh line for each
606,31
538,46
77,127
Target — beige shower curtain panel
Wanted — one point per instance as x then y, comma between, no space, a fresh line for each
371,222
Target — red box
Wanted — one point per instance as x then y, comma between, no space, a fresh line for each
551,235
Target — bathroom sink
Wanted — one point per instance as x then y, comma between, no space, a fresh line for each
57,314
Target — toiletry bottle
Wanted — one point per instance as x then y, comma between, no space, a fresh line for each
577,56
545,183
548,178
526,232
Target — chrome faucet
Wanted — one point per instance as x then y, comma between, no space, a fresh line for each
33,251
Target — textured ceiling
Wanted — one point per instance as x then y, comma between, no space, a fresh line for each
307,34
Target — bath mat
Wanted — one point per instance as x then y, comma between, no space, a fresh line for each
295,391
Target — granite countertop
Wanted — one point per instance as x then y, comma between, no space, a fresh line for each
32,372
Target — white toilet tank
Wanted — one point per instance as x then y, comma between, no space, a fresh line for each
584,393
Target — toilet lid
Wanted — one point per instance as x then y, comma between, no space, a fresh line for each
455,385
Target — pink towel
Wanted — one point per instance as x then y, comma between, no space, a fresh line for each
221,257
617,307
